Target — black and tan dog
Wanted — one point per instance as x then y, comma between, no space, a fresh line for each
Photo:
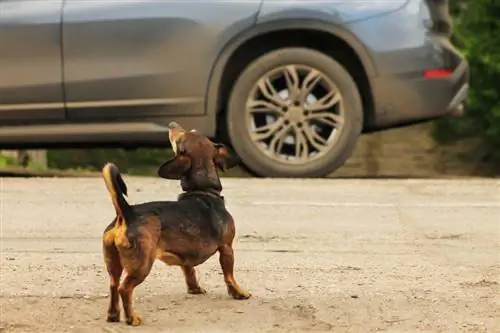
183,233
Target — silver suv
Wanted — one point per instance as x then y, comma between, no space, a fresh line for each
290,85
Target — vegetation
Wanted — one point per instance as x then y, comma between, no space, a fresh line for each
138,162
6,161
477,27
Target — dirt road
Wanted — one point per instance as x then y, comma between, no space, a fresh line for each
318,255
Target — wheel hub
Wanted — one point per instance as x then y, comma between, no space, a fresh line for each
295,114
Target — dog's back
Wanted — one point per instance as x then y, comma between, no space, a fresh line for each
192,227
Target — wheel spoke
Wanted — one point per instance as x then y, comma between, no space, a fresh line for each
325,103
315,139
260,106
278,140
310,81
265,132
301,142
311,126
292,81
326,118
269,92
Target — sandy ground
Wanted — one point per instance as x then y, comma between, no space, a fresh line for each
318,255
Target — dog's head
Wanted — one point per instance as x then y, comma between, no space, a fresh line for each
196,160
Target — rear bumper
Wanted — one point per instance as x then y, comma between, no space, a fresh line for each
456,107
410,98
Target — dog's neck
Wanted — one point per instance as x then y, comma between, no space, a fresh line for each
210,192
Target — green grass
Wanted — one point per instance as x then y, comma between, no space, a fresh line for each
141,162
138,162
6,161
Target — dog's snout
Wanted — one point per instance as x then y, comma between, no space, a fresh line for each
174,134
172,125
175,126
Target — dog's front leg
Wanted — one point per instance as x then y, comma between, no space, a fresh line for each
189,272
191,281
226,259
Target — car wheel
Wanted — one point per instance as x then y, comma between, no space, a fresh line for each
294,112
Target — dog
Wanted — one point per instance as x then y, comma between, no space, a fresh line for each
182,233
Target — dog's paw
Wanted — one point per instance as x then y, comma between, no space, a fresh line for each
242,295
239,293
113,317
134,320
196,291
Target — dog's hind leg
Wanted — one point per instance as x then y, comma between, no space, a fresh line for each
126,289
137,265
191,281
115,269
226,260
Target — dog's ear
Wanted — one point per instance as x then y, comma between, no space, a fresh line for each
175,168
224,158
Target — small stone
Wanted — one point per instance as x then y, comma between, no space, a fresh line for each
354,296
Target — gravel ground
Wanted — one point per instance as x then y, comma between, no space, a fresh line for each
318,255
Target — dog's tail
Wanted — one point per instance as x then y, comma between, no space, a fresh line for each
117,189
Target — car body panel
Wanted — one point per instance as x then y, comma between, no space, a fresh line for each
407,50
419,98
401,61
31,85
335,12
277,15
115,62
260,29
157,55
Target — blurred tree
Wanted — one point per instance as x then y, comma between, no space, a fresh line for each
457,6
140,161
477,26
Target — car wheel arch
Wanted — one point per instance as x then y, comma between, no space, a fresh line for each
214,88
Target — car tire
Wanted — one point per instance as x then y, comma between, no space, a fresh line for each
237,126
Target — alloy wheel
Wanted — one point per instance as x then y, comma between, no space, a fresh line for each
294,114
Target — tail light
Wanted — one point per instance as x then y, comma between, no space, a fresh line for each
439,73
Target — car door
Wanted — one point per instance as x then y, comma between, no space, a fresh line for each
136,58
30,60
